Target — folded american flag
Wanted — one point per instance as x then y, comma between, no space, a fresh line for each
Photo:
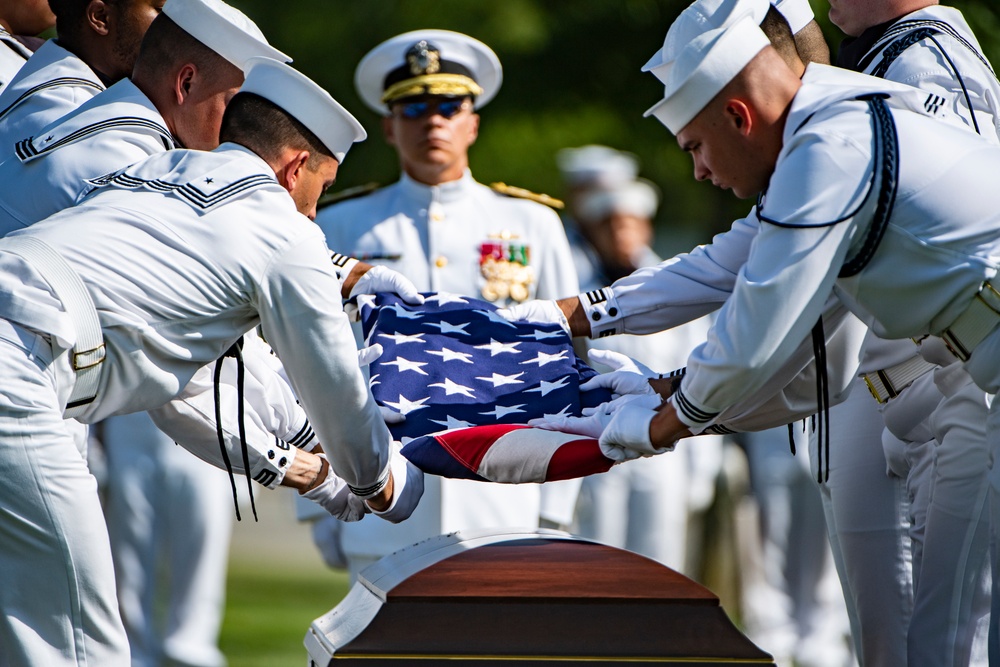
468,380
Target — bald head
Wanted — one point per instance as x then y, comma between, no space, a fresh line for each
856,16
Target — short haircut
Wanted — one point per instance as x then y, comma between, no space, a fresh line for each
70,14
776,27
267,129
166,46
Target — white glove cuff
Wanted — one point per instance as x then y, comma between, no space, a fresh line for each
603,312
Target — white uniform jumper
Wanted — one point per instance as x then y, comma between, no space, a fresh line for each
181,255
13,55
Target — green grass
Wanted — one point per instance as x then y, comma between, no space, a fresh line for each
269,609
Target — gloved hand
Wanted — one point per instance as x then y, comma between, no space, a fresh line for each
408,487
595,421
627,376
366,355
544,311
383,279
626,436
335,497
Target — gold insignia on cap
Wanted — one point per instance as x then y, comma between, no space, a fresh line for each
423,58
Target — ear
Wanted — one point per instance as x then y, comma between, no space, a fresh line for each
184,82
473,128
739,115
290,173
389,130
98,17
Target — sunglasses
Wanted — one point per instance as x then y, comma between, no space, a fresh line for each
447,108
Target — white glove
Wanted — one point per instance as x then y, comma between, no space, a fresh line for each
366,355
544,311
383,279
407,487
595,420
626,436
335,497
627,376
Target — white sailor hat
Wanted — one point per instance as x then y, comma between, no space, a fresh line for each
596,165
638,197
428,62
224,29
696,19
798,13
305,101
704,67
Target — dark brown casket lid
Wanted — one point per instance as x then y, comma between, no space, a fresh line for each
486,597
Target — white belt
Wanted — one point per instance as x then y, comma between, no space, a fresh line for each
88,352
975,323
889,382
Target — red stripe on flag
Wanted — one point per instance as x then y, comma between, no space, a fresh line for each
577,458
469,445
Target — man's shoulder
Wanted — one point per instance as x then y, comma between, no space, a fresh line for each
525,197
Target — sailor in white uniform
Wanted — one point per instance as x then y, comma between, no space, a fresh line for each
446,232
137,288
92,50
139,116
18,26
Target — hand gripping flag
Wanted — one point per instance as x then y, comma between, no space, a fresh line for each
468,380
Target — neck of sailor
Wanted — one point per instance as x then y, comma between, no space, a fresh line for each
853,17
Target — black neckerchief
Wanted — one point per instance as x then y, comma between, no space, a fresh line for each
853,49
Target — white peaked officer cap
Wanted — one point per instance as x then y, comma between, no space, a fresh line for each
224,29
305,101
639,198
428,62
798,13
704,68
696,19
596,165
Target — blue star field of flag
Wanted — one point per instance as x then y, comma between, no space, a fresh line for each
454,362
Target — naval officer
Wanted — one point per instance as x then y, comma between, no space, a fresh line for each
446,232
112,306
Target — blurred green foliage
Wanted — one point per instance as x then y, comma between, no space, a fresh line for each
571,77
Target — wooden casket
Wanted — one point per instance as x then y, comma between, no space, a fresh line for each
533,598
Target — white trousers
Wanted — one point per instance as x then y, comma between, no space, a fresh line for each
170,518
57,599
866,514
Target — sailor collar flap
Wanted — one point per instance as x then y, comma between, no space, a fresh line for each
205,180
824,85
54,67
121,107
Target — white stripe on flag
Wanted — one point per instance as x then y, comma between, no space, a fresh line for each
522,455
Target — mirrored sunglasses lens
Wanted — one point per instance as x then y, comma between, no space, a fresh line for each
413,110
450,108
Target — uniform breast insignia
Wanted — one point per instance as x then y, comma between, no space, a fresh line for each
505,264
521,193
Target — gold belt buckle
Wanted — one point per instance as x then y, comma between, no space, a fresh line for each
78,366
872,389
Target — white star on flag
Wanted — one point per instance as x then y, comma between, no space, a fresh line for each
496,347
373,380
453,388
407,365
559,415
500,380
545,358
441,298
451,355
500,411
404,313
448,328
543,335
405,406
452,423
546,387
399,338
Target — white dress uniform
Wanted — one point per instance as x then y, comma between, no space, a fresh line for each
51,84
437,236
643,505
935,50
13,55
107,133
184,242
